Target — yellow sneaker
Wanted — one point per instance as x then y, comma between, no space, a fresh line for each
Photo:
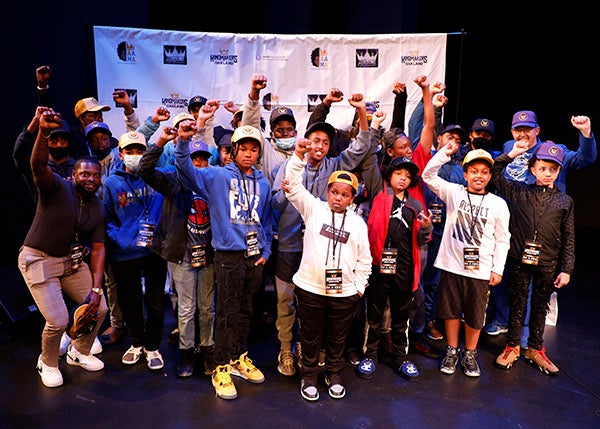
243,367
222,382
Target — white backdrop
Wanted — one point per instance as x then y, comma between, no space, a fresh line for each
167,68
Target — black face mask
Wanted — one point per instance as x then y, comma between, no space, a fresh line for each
481,143
58,153
101,154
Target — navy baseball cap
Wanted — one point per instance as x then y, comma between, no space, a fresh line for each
484,124
524,118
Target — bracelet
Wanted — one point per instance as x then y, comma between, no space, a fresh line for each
42,134
42,89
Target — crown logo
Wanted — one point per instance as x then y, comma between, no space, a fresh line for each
175,54
367,58
224,52
174,95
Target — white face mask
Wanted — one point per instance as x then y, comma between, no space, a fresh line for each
285,144
132,162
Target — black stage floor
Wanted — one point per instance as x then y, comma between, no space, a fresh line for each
120,396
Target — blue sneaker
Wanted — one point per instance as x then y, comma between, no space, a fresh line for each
366,369
494,329
409,371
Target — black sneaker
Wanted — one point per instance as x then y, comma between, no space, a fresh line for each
366,369
336,389
354,357
418,345
449,362
309,391
185,366
409,371
469,363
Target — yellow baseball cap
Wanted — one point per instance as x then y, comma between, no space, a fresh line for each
342,176
89,104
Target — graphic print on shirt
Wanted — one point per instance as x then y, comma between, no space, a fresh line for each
334,233
470,223
517,169
127,198
244,199
198,221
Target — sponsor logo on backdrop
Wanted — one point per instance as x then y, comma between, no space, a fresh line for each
175,54
367,58
414,59
313,100
126,52
269,100
319,58
174,102
132,97
268,57
224,57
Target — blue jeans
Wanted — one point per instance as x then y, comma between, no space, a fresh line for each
195,289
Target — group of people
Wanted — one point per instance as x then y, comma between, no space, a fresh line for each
372,233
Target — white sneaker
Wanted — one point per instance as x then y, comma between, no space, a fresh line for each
51,376
65,340
87,362
96,347
155,359
132,355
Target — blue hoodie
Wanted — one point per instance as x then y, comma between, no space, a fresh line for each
229,200
127,199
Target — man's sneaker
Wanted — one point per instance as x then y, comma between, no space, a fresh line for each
243,367
334,383
309,391
96,347
448,365
154,359
132,355
222,382
298,353
322,355
508,356
494,329
285,363
185,366
538,359
469,363
65,340
50,375
409,371
87,362
366,369
433,332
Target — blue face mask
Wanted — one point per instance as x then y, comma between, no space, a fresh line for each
285,144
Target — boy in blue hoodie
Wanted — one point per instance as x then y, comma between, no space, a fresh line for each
239,199
132,213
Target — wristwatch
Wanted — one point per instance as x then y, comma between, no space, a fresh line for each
97,290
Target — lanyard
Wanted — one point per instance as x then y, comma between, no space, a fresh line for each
245,193
474,218
336,239
144,201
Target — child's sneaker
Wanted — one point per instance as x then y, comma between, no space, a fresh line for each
448,365
285,363
243,367
508,356
309,391
366,369
539,359
222,382
469,363
409,371
336,389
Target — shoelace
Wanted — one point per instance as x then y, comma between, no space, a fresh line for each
508,350
542,354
